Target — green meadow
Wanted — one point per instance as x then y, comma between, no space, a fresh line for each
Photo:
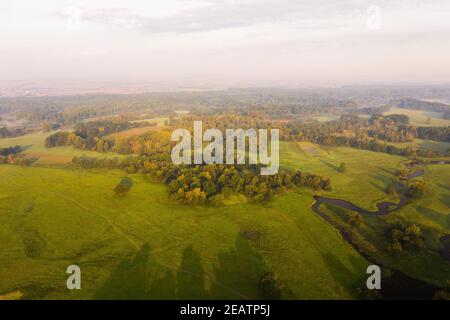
368,173
420,117
34,145
144,246
364,183
439,146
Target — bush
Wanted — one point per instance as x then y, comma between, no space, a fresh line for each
216,200
441,295
355,220
270,286
395,248
123,187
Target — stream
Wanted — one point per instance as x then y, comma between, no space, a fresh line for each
399,285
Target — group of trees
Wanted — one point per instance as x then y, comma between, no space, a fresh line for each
434,133
415,189
208,184
406,238
47,127
92,136
372,134
11,155
10,150
8,133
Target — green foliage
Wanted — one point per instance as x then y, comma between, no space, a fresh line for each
416,189
271,286
342,167
441,295
197,184
355,220
123,187
409,237
46,127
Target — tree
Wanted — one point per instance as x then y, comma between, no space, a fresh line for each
441,295
271,286
416,189
395,248
123,187
342,167
46,127
355,220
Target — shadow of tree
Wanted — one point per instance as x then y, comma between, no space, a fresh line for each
238,272
377,186
385,180
330,165
128,280
190,276
436,216
162,285
341,274
236,276
388,171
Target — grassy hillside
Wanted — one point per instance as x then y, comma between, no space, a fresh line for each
34,145
368,173
421,118
142,246
441,147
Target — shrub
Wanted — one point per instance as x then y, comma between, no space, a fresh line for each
355,220
123,187
271,286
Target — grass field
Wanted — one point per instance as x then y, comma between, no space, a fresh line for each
144,247
420,118
431,213
442,147
368,173
132,132
35,148
160,121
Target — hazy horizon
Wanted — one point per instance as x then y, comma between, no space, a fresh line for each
225,43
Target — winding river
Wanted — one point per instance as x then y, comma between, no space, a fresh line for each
399,285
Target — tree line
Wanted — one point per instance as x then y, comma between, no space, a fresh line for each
208,184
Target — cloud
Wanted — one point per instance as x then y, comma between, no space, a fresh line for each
212,15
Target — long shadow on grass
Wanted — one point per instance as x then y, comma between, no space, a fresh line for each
190,276
346,278
238,272
330,165
436,216
128,280
385,180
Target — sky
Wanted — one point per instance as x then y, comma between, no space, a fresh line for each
228,42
